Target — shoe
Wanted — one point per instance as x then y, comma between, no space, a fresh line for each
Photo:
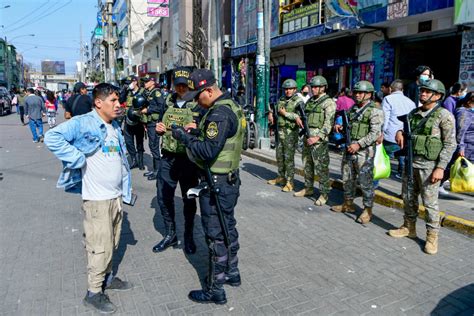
398,176
216,296
189,246
431,246
140,161
119,285
322,200
233,280
149,173
153,176
442,191
346,207
100,302
278,180
304,192
134,163
169,240
408,229
365,217
446,185
41,138
36,141
288,187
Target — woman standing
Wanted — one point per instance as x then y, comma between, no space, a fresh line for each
51,108
465,127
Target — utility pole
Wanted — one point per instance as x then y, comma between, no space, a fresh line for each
82,53
218,41
6,72
110,73
129,19
268,25
260,70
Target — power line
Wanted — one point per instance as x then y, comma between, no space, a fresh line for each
28,14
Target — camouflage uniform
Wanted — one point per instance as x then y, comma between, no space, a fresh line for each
316,156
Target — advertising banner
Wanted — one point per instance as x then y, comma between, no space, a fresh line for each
466,64
463,11
301,18
50,67
158,11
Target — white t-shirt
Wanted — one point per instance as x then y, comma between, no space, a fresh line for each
102,173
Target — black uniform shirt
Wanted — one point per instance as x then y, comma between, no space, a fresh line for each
156,103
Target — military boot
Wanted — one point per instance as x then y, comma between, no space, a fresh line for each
346,207
431,246
140,161
408,229
304,192
322,200
134,162
169,240
189,244
288,186
278,180
366,216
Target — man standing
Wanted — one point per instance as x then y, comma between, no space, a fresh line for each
218,148
93,153
34,111
434,142
320,110
175,165
21,105
150,116
394,105
288,124
423,74
358,160
79,103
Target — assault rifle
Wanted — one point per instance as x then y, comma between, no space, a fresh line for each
304,119
346,131
274,126
407,152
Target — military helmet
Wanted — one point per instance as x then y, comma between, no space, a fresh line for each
318,81
139,102
289,84
363,86
434,85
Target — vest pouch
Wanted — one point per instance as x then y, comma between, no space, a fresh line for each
433,147
316,120
281,121
359,130
419,145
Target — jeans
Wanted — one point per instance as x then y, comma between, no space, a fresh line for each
34,124
390,149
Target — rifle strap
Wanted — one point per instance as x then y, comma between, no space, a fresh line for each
360,113
425,119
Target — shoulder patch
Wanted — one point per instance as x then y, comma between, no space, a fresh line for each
212,130
157,94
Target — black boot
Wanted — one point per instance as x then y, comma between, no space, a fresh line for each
233,280
232,274
155,171
214,295
134,163
169,240
140,161
189,244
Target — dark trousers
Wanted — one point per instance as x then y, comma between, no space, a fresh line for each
132,134
225,260
174,169
22,114
153,141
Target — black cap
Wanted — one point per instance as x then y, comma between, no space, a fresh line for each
129,79
181,76
78,86
199,80
147,78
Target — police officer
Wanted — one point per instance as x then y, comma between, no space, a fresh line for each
150,116
175,165
133,127
218,146
320,110
366,121
288,125
434,142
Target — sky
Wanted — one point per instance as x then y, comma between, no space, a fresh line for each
56,25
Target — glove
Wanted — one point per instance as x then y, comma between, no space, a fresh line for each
178,133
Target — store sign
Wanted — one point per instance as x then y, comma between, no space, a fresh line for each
98,33
158,11
301,18
463,11
466,64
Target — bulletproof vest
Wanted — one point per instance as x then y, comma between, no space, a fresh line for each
178,116
150,95
228,158
290,106
424,144
315,113
360,126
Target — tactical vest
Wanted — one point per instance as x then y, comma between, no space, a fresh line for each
360,127
290,106
424,144
315,113
228,158
154,117
180,117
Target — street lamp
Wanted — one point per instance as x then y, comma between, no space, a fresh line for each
24,35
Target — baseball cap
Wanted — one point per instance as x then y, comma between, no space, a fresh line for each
181,76
78,86
147,78
199,80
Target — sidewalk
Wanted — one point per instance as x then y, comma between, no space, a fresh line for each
457,209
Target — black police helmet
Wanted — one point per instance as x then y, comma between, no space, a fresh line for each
132,118
139,102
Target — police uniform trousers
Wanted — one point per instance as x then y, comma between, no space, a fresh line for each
359,167
134,134
174,169
222,261
153,140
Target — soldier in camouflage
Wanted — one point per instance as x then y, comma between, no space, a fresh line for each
320,110
434,142
288,124
366,121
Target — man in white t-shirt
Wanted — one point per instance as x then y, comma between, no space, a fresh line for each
93,153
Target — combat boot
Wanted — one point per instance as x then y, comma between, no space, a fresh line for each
278,180
288,187
431,246
408,229
346,207
134,163
169,240
140,161
366,216
304,192
214,294
322,200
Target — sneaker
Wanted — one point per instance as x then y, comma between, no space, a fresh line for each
446,185
36,141
119,285
100,302
442,191
41,139
398,176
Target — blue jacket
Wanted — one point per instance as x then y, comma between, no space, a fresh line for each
77,139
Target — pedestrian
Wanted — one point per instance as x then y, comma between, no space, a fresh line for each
14,95
217,147
432,128
34,111
304,94
175,166
456,93
366,122
465,127
50,105
79,103
385,89
394,105
288,123
240,97
344,101
152,115
92,150
21,105
320,111
423,74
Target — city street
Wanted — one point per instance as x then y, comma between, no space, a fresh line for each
295,258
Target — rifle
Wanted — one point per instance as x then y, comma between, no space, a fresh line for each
304,119
407,152
347,132
274,110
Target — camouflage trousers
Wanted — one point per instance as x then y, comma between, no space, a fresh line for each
316,161
359,166
429,196
285,153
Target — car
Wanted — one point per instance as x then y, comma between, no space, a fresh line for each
5,102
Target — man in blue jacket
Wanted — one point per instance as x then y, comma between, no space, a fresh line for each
92,150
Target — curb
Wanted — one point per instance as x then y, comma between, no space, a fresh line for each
456,223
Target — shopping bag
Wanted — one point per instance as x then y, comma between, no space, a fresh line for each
462,176
381,163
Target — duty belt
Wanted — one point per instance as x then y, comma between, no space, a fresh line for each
231,178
